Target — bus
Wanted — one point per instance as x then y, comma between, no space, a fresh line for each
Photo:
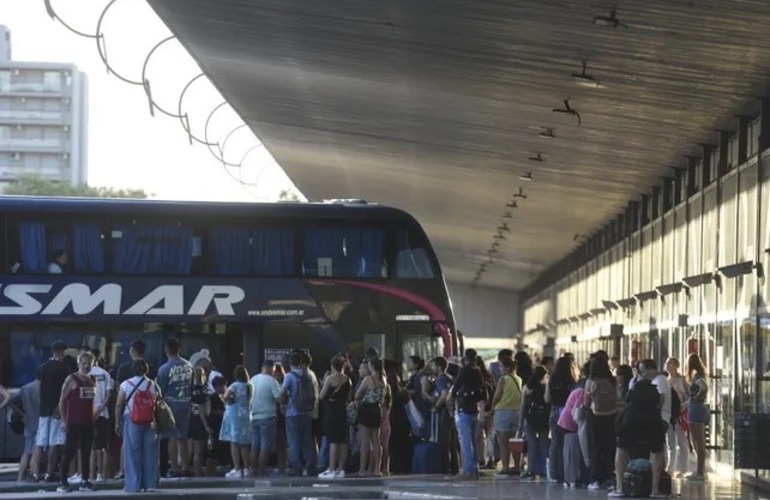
247,281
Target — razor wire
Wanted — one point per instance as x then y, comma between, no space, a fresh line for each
216,148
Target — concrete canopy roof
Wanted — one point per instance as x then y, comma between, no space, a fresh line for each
437,106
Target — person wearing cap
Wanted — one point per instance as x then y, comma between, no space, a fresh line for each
50,432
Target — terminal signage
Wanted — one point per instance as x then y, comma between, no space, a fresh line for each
56,298
279,355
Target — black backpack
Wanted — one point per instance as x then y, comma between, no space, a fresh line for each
676,407
538,411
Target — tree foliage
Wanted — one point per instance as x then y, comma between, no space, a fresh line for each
35,185
288,195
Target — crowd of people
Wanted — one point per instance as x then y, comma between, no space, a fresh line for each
550,419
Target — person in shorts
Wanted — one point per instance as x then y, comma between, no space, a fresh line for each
102,426
175,383
26,403
50,432
506,404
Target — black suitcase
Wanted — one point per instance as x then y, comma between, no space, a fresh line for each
637,479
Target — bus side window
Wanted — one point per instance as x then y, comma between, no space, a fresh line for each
152,248
39,242
251,251
344,252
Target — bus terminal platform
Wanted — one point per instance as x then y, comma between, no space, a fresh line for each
397,487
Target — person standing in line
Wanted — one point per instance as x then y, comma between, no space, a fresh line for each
534,419
697,412
506,404
678,447
50,432
335,394
467,392
102,427
601,397
140,438
264,416
660,382
27,404
236,428
76,408
298,389
175,384
123,373
556,393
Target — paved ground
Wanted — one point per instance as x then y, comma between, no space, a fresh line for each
393,488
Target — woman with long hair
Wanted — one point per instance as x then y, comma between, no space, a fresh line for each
486,458
556,393
199,430
524,365
678,447
534,418
601,395
335,394
236,426
697,412
371,395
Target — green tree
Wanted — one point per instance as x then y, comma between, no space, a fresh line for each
35,185
288,195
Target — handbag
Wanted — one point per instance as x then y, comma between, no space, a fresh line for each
164,417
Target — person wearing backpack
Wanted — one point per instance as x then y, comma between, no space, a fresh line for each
651,373
678,447
135,423
467,392
601,396
534,418
301,399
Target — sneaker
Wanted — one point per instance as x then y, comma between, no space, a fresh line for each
247,473
65,488
616,494
99,478
327,474
234,474
75,478
695,477
51,478
594,486
340,474
87,486
503,473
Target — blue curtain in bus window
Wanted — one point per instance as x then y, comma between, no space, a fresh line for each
172,249
87,248
354,252
152,248
272,252
32,246
58,239
230,252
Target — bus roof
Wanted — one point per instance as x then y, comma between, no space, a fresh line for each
31,204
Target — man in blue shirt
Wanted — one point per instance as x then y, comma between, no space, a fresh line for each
297,385
264,416
175,383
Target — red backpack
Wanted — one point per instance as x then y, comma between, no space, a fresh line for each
143,407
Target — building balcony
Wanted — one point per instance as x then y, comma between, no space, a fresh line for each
33,117
34,146
31,90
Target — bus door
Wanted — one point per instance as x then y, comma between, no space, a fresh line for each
414,337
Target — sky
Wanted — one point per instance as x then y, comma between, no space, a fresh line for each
127,147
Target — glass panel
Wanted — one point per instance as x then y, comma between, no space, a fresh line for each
667,250
344,252
680,246
656,254
412,257
727,242
710,232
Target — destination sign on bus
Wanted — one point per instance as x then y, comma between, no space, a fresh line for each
48,298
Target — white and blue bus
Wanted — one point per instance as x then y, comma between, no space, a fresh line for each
245,281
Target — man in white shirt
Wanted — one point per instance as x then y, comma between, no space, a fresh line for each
102,427
650,368
264,416
59,261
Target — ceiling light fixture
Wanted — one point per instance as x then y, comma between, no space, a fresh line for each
507,215
504,227
512,204
547,133
526,177
585,80
567,110
609,21
520,194
538,157
500,236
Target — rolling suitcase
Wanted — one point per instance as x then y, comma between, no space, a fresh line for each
637,479
427,458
